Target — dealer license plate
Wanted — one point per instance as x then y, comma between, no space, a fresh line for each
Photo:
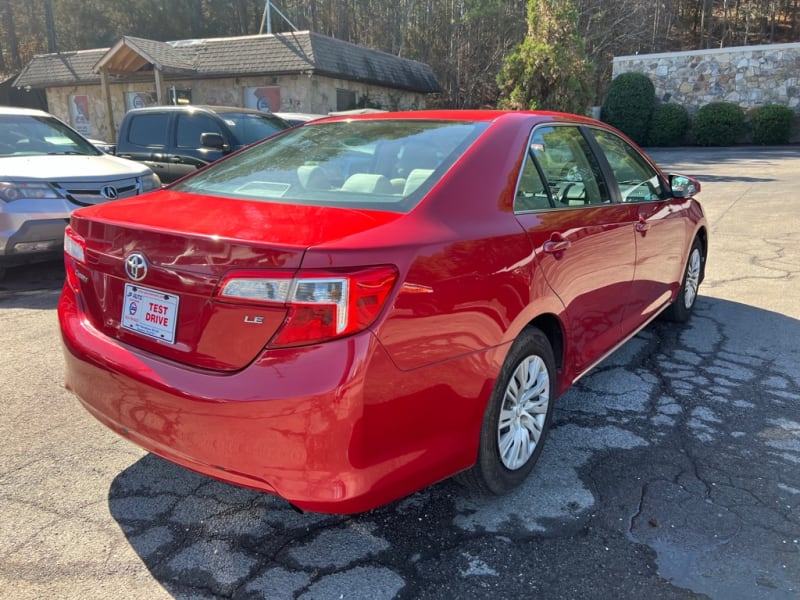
150,312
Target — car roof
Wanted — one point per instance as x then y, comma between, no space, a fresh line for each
299,116
198,108
471,115
17,110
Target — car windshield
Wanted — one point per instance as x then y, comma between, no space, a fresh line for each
249,127
26,135
381,164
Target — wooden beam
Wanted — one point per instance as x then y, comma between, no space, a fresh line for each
105,92
160,87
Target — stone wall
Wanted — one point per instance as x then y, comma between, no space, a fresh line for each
298,93
749,76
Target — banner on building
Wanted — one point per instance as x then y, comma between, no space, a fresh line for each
139,100
79,114
267,98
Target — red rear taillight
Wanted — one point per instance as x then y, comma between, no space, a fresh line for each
321,305
74,245
74,251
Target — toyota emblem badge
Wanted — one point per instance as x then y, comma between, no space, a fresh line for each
109,192
136,266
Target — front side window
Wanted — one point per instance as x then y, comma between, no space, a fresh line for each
249,127
637,180
191,127
377,164
571,171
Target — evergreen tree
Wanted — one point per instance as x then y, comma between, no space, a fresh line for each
549,69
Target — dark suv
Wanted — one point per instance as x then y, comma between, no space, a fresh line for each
176,140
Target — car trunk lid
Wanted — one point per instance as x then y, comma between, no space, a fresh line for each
152,268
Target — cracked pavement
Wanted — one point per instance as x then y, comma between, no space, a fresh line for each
671,471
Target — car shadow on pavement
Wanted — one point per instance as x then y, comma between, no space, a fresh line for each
676,457
35,285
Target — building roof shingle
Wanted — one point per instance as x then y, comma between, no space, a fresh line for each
268,54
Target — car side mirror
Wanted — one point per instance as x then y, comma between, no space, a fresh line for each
214,140
683,186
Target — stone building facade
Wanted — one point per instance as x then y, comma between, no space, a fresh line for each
749,76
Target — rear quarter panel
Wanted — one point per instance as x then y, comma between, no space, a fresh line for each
467,281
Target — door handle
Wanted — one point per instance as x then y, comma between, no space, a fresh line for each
556,245
642,225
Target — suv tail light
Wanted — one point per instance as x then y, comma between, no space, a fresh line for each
321,305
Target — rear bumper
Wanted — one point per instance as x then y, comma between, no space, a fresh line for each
330,428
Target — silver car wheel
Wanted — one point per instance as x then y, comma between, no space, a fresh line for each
692,278
523,413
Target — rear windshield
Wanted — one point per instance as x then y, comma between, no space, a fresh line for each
374,164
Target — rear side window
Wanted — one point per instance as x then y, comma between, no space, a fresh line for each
571,171
192,126
149,129
376,164
531,191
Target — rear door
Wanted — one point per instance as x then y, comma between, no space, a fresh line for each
146,139
583,243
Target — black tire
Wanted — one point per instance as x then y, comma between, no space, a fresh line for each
680,310
494,473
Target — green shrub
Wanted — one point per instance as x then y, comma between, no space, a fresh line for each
771,124
629,105
718,124
668,126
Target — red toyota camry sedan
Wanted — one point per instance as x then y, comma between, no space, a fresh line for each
359,307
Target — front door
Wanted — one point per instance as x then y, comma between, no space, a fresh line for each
656,222
188,153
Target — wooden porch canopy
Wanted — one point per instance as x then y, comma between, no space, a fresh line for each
130,56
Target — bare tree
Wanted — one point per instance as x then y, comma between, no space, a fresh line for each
15,61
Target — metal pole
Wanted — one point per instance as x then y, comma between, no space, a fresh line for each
265,17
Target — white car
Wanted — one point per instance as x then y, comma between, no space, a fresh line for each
296,118
47,169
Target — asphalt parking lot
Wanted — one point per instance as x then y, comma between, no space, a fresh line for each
672,471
